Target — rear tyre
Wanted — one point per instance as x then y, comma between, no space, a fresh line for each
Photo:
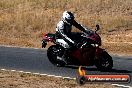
52,53
105,62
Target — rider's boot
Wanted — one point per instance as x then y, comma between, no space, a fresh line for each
64,57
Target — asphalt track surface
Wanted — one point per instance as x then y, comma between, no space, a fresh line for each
35,60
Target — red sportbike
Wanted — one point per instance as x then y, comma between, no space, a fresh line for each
87,52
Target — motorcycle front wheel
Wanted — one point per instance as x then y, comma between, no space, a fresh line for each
105,62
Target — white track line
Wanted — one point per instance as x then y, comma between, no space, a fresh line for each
21,71
123,86
39,74
43,74
118,85
3,69
69,78
36,73
26,72
13,70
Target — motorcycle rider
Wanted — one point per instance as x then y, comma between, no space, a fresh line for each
64,28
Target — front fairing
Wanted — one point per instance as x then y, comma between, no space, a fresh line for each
94,37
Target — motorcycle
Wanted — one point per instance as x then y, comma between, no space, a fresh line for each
87,53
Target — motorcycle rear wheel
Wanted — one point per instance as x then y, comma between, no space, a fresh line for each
52,53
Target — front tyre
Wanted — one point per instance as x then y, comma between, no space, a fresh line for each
104,62
52,53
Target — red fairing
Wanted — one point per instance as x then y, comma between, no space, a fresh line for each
76,54
47,38
95,37
44,35
99,51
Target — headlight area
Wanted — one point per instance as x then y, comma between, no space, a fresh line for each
95,45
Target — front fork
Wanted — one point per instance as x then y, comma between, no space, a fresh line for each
98,52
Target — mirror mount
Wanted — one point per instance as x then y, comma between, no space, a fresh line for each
97,27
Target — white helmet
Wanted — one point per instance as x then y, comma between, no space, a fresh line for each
68,17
